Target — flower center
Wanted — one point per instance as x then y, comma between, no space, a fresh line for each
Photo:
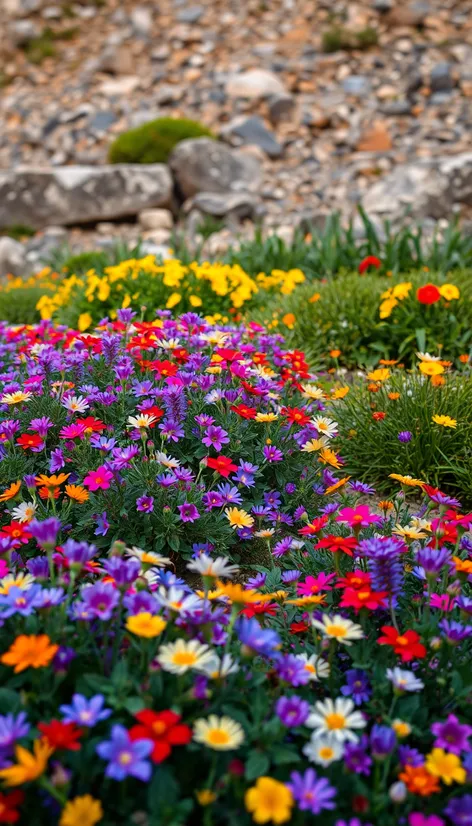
125,758
336,631
218,737
159,727
335,721
184,658
401,641
326,753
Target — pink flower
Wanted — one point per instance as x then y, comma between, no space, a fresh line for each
99,479
315,584
3,568
419,819
442,601
359,516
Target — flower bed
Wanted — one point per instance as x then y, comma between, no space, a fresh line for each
203,620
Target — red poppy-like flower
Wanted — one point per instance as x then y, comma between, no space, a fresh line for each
363,598
407,645
314,527
379,416
462,519
91,425
29,440
354,579
369,261
164,729
295,415
444,533
244,411
222,464
228,355
252,391
61,735
17,531
429,294
299,627
155,411
269,608
346,544
8,806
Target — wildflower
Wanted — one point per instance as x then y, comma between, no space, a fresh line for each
405,436
311,793
358,686
317,668
269,801
145,625
338,628
125,757
215,568
221,465
29,652
452,735
449,291
336,719
459,810
359,516
164,729
409,481
99,479
401,728
145,504
292,711
356,758
219,733
428,294
403,680
346,544
15,398
10,492
406,645
444,421
76,404
239,518
418,780
368,262
263,641
8,806
77,493
61,735
431,368
85,712
29,765
325,426
81,811
323,751
446,766
181,655
382,741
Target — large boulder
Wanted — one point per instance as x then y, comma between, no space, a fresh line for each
426,189
81,194
255,83
204,165
12,257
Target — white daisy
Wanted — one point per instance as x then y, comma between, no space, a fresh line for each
24,512
327,427
404,680
219,733
206,566
427,357
76,404
178,600
217,667
149,557
182,655
167,461
317,668
144,420
311,391
336,719
338,628
323,750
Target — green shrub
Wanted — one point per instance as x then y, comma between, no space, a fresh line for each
18,231
84,261
338,37
18,306
154,141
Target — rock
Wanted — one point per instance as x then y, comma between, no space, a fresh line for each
81,194
253,131
23,32
221,204
12,257
205,165
52,13
382,6
357,85
120,87
117,59
414,82
396,108
428,189
281,107
157,236
101,121
191,14
156,219
141,21
375,139
441,78
255,83
20,8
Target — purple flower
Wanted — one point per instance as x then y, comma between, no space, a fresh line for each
57,460
41,425
48,597
99,600
282,547
409,756
84,712
123,571
244,478
385,566
459,810
358,686
382,741
290,576
45,532
62,659
405,436
356,758
452,735
38,566
229,493
444,499
103,525
145,504
433,560
263,641
212,499
292,670
12,727
140,601
204,420
361,487
188,512
272,453
171,431
353,821
215,437
78,553
18,601
292,711
455,632
125,315
312,794
125,757
256,581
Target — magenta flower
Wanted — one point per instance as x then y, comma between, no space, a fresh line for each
188,512
272,454
99,479
215,437
359,517
145,504
452,735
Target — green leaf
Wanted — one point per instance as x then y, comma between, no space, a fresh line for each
421,339
257,764
134,704
282,755
163,791
10,701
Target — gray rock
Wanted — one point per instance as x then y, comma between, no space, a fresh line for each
81,194
20,8
23,31
255,83
152,219
441,79
382,6
252,131
205,165
101,121
281,107
419,9
357,85
396,108
52,13
414,82
141,21
191,14
221,204
12,257
427,189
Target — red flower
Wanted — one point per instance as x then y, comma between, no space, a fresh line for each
61,735
363,598
222,464
429,294
228,355
254,608
164,729
406,645
155,411
462,519
252,391
244,411
377,417
91,425
299,627
354,579
443,533
347,544
8,806
29,440
17,531
314,527
369,261
295,415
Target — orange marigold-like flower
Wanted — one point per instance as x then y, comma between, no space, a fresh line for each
29,652
10,492
53,481
77,493
419,781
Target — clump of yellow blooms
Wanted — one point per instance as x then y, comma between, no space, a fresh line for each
392,297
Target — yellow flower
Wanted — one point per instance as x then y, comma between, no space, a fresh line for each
77,492
20,580
339,484
269,801
328,457
237,594
84,321
219,733
409,481
205,797
173,299
313,445
387,306
29,765
401,291
81,811
195,301
401,728
409,532
239,518
446,766
449,291
431,368
310,391
16,398
445,421
314,599
340,393
381,374
266,417
146,625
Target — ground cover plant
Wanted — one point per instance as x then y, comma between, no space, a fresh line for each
205,619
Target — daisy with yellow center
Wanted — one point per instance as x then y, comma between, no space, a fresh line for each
327,427
24,512
328,457
409,481
145,625
310,391
305,602
149,557
431,368
266,417
444,421
446,766
323,750
142,422
21,580
16,398
182,655
313,445
77,493
219,733
317,668
239,518
409,532
338,628
335,720
401,728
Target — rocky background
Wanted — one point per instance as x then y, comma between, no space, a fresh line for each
319,104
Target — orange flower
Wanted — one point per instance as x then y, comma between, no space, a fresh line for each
77,492
464,358
29,651
419,781
336,485
388,362
386,505
10,492
393,396
328,457
52,481
335,353
463,566
438,381
373,388
49,493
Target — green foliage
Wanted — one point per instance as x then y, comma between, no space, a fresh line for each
39,48
18,231
441,456
209,226
338,37
154,141
18,306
